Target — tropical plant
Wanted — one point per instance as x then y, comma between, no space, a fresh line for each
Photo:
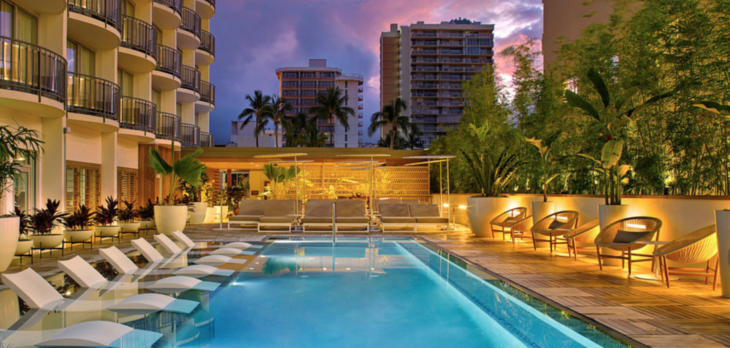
195,193
391,115
295,128
493,168
259,109
279,177
313,138
279,107
79,220
400,142
44,220
547,171
17,144
24,220
105,215
187,168
128,213
146,212
414,136
331,107
610,123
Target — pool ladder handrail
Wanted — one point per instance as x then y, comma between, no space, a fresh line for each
334,224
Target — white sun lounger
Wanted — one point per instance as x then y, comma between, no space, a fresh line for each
124,265
185,240
86,276
100,334
152,255
168,244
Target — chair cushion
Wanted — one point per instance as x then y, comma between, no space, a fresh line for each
319,208
395,210
424,210
627,237
251,218
432,220
556,224
316,220
276,219
350,208
279,208
251,207
352,220
397,220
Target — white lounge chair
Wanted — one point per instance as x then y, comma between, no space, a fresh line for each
87,277
188,243
152,255
168,244
99,333
124,265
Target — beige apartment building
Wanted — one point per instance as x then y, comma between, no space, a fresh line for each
300,86
102,81
426,64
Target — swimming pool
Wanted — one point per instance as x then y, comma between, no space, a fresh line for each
372,292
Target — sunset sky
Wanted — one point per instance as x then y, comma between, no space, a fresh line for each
255,37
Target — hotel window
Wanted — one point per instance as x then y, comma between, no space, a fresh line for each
326,75
127,184
80,59
17,23
290,84
291,75
309,93
290,93
309,84
126,82
128,8
308,75
24,186
156,98
83,181
326,84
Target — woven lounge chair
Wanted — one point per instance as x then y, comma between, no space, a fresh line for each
520,229
505,220
249,213
428,215
697,247
554,226
581,236
352,215
396,215
623,236
318,213
278,214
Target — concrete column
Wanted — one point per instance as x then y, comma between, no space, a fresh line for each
168,101
204,121
106,64
108,165
188,113
143,86
52,164
52,32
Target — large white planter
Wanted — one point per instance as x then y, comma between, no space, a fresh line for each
170,218
106,231
198,213
481,210
77,236
608,214
129,227
210,216
146,224
8,240
23,247
47,241
540,210
722,221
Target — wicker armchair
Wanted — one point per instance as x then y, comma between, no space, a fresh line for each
520,229
624,235
554,226
584,234
697,247
504,221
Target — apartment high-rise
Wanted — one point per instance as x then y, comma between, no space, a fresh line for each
300,86
102,81
425,64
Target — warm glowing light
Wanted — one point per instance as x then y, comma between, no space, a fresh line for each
562,218
636,226
446,205
324,268
462,207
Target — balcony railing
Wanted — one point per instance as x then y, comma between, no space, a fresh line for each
138,114
190,135
207,92
207,42
32,69
107,11
191,78
169,61
139,36
190,21
90,95
168,126
175,5
207,139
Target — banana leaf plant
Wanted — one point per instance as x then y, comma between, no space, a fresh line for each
187,168
611,120
548,161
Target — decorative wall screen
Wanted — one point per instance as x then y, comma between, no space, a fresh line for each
83,185
127,185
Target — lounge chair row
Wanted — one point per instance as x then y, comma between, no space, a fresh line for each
411,215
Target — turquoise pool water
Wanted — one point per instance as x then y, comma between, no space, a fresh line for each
370,293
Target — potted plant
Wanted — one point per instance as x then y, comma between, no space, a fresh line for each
146,216
197,208
547,172
126,218
24,242
17,144
43,222
170,217
78,225
105,218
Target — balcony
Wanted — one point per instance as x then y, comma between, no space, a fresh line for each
168,126
206,8
360,88
168,72
189,90
92,96
360,106
138,52
190,136
97,22
138,114
205,54
207,139
359,97
29,68
359,115
189,37
167,14
207,97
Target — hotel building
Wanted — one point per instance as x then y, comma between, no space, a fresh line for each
425,65
300,86
102,81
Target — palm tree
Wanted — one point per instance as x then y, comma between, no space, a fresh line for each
279,107
259,107
414,136
294,128
312,137
391,115
400,142
331,104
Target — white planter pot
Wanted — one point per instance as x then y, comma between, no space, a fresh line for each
481,210
199,210
146,224
106,231
128,227
23,247
47,241
540,210
608,214
722,221
170,218
77,236
210,216
8,240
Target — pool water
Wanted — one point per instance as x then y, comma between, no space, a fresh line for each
367,293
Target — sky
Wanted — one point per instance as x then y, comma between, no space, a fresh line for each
255,37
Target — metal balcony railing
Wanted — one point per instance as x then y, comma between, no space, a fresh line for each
91,95
175,5
190,135
207,92
107,11
190,21
207,42
139,36
169,61
191,78
207,139
168,126
138,114
33,69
